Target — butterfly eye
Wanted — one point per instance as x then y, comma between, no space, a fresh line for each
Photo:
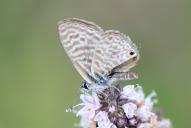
131,53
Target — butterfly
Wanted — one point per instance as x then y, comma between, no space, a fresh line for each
101,57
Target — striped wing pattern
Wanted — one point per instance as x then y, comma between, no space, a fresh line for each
113,52
79,39
97,54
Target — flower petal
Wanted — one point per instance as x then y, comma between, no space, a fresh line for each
129,109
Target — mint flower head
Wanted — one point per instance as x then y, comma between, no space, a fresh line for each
116,107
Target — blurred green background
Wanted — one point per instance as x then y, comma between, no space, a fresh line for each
38,82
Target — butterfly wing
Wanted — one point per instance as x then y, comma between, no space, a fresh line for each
114,55
79,39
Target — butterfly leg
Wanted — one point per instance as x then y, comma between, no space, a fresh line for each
122,76
126,75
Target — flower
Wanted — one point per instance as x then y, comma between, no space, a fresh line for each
165,123
133,93
144,125
102,119
130,109
112,109
91,104
149,102
85,121
143,113
116,107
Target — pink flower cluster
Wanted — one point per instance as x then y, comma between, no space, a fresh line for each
116,107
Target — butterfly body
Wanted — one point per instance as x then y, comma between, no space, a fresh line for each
100,57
